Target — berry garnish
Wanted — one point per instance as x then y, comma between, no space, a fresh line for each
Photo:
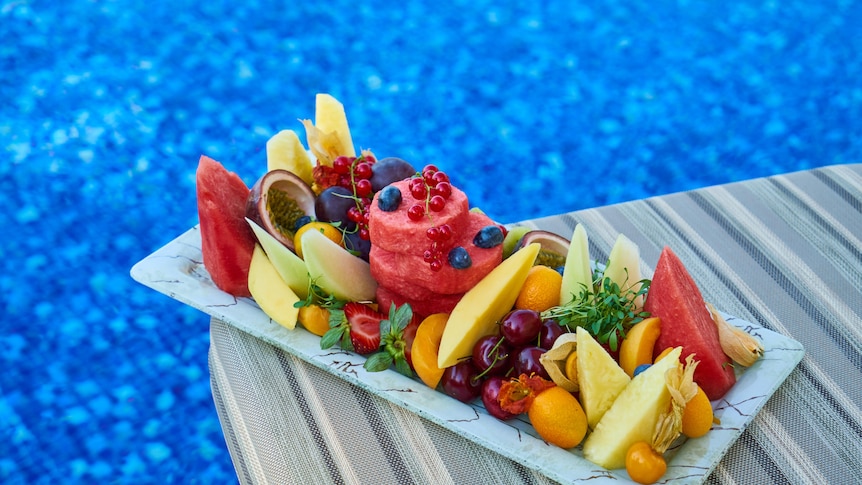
389,199
488,237
459,258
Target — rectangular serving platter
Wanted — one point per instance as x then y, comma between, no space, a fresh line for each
177,271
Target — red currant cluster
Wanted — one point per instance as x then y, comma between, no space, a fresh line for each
354,174
433,188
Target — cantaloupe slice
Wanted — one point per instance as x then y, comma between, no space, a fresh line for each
479,310
335,270
290,266
633,416
600,378
271,293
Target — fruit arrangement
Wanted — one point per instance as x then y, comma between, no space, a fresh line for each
389,261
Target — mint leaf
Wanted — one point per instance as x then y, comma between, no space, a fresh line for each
378,362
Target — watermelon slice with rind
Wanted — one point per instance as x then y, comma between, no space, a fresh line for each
686,322
227,242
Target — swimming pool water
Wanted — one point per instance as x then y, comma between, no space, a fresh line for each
105,107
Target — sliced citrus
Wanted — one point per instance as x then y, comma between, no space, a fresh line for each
325,228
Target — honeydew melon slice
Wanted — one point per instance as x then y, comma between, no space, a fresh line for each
335,270
290,267
623,267
479,310
577,274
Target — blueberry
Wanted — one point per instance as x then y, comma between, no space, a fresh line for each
640,369
560,269
301,222
459,258
389,198
488,237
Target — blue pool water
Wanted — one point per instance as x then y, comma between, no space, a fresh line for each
105,107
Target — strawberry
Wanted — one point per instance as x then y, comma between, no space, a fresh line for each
364,327
356,327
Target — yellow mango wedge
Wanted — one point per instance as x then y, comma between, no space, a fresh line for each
271,293
479,310
285,151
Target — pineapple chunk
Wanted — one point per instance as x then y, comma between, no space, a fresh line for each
600,378
633,416
329,117
285,151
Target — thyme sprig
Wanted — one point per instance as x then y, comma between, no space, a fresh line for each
605,310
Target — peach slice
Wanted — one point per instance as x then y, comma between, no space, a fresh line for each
426,344
637,347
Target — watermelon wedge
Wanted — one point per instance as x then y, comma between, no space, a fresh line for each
227,241
686,322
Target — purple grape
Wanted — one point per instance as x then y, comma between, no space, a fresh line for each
460,382
491,352
490,395
521,326
526,361
549,333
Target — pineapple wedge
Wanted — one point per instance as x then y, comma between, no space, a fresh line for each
600,378
633,416
285,151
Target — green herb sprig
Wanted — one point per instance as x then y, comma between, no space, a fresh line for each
605,310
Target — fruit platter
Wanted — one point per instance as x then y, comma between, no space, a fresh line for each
382,274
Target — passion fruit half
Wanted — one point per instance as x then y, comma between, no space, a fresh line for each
276,201
553,247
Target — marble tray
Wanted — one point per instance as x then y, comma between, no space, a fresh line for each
177,271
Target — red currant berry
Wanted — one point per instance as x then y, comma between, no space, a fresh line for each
436,203
370,159
354,214
436,265
364,234
344,181
362,170
363,187
342,164
433,233
415,212
443,189
445,232
440,177
430,168
428,177
428,256
418,191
